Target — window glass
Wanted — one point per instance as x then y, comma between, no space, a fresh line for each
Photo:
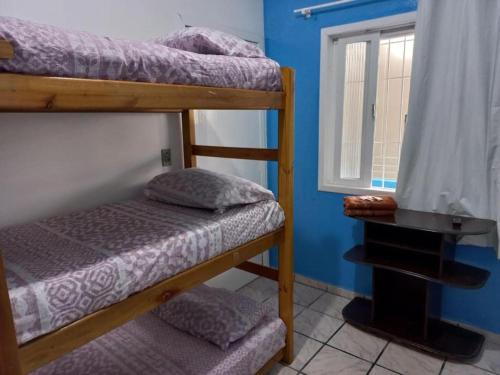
352,115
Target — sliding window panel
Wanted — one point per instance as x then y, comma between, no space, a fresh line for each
355,80
393,88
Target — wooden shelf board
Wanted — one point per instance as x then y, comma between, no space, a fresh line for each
432,222
403,246
443,339
454,273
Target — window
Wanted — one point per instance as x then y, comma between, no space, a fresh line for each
365,86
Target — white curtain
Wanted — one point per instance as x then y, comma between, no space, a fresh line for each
450,159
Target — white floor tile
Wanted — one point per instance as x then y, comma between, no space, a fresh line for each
311,282
323,318
462,369
305,295
316,325
273,303
260,289
330,304
304,349
297,309
358,343
332,361
279,369
490,358
377,370
409,362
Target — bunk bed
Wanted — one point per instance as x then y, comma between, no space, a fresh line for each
22,92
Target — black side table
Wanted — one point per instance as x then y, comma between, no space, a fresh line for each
412,257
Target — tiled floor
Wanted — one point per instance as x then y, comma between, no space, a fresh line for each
325,344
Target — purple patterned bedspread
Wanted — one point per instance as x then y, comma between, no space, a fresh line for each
63,268
51,51
149,346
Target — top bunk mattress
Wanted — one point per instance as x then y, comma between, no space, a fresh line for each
63,268
51,51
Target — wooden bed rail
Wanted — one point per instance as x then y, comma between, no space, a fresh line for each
192,150
257,269
26,93
236,152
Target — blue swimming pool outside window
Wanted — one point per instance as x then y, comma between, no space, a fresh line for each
386,184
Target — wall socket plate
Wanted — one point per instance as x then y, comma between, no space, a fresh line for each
166,157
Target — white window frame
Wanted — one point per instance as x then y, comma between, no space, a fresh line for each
330,124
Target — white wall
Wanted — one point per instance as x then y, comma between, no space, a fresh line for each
55,163
136,19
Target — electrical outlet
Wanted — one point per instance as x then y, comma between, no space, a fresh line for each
166,157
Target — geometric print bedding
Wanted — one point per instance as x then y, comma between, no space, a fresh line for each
209,42
200,188
215,314
149,346
63,268
46,50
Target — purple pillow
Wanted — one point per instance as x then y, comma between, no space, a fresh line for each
210,42
216,315
199,188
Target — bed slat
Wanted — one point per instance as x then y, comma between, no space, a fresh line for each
257,269
46,348
236,152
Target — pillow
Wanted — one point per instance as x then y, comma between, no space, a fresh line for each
210,42
199,188
216,315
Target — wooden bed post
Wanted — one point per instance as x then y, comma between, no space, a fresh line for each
188,138
285,198
9,354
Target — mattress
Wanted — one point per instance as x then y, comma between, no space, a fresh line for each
148,345
52,51
63,268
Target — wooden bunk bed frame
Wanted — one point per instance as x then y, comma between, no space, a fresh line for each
25,93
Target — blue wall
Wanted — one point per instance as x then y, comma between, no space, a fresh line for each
322,233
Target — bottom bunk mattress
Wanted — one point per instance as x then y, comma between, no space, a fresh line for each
150,346
63,268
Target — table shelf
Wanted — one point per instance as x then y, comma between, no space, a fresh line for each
416,249
445,339
454,273
412,254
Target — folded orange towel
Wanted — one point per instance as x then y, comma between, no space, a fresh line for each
370,202
369,212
